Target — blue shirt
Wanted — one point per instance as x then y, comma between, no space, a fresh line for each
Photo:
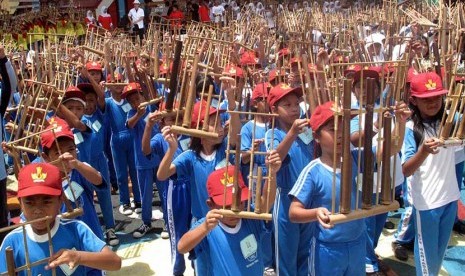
197,169
235,251
96,122
83,142
142,161
84,190
299,155
314,189
117,114
66,234
247,143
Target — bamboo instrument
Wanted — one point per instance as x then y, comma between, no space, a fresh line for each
386,172
454,98
368,160
237,190
346,177
10,262
174,76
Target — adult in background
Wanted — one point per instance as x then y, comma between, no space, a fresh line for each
104,19
194,9
136,17
204,12
8,82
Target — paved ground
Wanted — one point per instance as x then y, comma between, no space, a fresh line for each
151,255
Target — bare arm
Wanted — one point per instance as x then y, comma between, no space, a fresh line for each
89,173
167,168
103,260
70,118
146,150
131,123
192,238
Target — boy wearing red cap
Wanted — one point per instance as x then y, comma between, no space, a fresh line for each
343,244
233,248
75,248
296,150
58,144
145,164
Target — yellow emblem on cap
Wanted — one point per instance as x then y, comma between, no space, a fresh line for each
431,85
232,70
38,176
227,180
285,86
94,63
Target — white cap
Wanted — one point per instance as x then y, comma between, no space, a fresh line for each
136,2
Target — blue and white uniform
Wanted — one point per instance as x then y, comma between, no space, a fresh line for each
177,207
434,194
196,168
291,239
84,192
122,149
258,161
66,234
235,251
99,161
145,165
345,243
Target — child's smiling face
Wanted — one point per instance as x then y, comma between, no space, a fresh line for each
428,107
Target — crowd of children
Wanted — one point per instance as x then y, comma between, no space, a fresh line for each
102,138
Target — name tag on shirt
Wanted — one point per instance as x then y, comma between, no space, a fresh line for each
215,103
249,247
96,126
126,107
184,144
306,136
66,269
77,190
78,138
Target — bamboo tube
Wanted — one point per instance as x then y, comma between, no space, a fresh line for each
258,189
174,76
386,172
10,262
346,177
359,214
193,132
237,190
456,95
191,95
245,215
367,186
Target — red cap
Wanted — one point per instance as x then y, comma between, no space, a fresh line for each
274,73
91,66
284,52
132,87
367,72
261,90
249,58
116,76
217,181
280,91
351,69
340,59
295,60
39,179
198,112
427,85
62,129
233,71
411,74
322,114
75,94
163,69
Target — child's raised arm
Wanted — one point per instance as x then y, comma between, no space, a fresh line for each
146,150
234,121
103,260
192,238
297,128
167,168
131,122
87,171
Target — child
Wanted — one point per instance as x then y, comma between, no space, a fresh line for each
205,156
84,179
145,164
430,172
177,205
342,244
295,147
75,248
233,247
122,150
94,119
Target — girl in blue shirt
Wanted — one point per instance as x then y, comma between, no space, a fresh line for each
205,156
343,244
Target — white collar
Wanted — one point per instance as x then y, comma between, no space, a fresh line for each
42,238
206,157
230,230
